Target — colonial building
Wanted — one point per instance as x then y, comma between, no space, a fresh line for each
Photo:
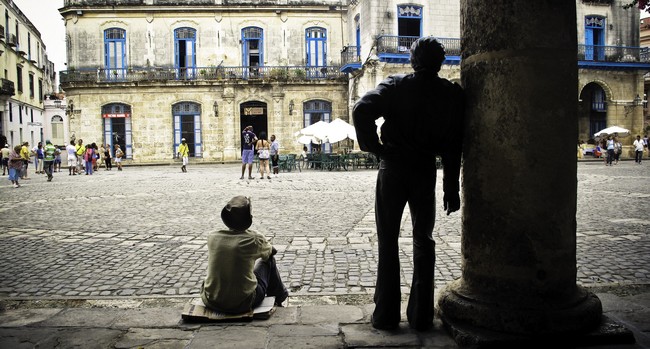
146,73
26,75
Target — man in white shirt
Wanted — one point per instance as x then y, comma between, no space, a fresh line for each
638,149
72,158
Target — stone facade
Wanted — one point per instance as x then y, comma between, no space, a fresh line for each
27,75
221,78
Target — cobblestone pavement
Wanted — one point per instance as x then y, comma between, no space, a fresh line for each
142,231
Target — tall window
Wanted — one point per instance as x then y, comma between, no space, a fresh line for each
31,85
594,38
187,124
29,46
409,26
117,127
316,39
253,49
185,57
315,111
19,77
115,53
57,130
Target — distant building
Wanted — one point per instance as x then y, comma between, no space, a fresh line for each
146,73
26,75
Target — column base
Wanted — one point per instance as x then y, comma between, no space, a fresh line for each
486,322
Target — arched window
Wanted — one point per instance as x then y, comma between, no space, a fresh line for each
115,53
594,38
185,52
187,124
409,26
57,130
315,111
316,39
117,127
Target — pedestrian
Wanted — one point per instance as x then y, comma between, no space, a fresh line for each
275,155
81,150
39,155
25,154
48,159
184,154
263,153
645,143
71,150
618,150
57,159
95,156
422,112
107,157
241,264
247,154
118,157
15,165
610,151
5,152
638,149
89,156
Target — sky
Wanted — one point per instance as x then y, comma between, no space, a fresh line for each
45,16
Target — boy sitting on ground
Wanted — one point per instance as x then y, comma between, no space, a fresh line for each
241,264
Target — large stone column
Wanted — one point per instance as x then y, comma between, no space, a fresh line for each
519,69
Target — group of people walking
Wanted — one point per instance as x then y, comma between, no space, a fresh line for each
47,159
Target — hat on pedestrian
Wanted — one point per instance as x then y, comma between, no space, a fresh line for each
48,141
236,215
182,139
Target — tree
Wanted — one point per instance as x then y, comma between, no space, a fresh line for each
644,5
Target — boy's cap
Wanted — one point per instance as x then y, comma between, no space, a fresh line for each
236,215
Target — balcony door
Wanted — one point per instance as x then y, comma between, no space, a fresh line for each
185,53
409,26
252,50
316,39
115,53
594,38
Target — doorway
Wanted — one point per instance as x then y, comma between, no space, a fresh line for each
253,113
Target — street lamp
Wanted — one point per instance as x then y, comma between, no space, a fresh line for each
291,107
637,100
215,107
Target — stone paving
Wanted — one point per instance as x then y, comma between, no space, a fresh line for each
142,232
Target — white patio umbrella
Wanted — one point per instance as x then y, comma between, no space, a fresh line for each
308,140
612,130
339,130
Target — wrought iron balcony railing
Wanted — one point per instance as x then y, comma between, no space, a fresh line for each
251,73
402,44
614,54
350,54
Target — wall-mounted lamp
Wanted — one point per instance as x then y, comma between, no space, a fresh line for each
215,107
291,107
638,101
69,110
79,13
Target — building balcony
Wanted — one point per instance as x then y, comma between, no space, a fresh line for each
7,88
350,59
207,74
613,57
395,49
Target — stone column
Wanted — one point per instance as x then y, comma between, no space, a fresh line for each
519,70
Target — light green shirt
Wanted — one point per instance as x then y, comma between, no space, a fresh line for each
49,152
230,283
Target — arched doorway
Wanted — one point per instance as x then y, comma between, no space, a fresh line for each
57,131
593,111
117,127
253,113
187,124
315,111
